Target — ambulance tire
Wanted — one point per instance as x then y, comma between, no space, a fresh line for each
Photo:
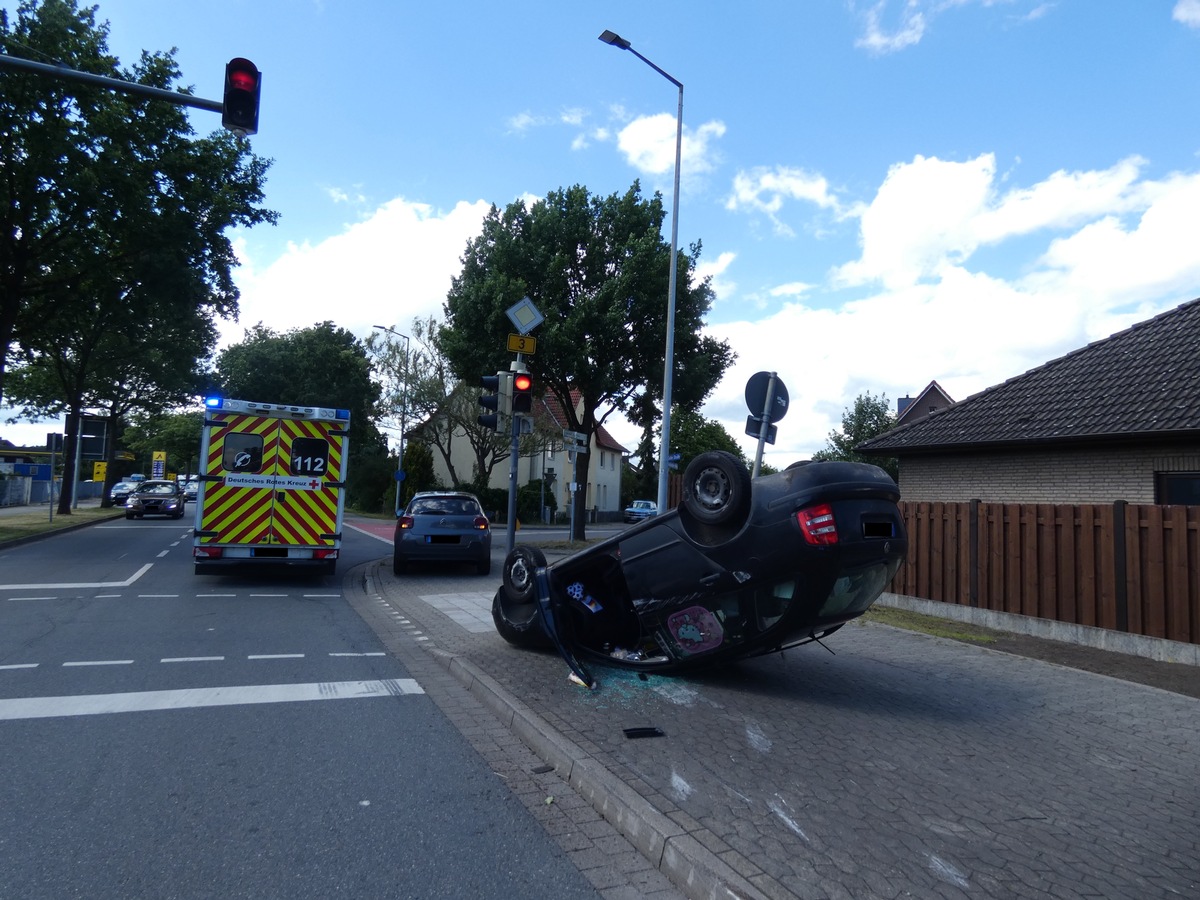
330,567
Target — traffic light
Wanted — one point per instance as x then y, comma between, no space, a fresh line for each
243,82
522,395
490,421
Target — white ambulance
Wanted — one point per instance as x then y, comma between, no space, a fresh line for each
272,486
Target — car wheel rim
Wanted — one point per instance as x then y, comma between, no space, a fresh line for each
712,489
520,574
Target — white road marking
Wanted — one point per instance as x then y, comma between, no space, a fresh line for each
378,537
163,553
268,595
172,659
216,595
141,701
154,596
73,586
380,653
32,598
101,662
275,656
20,666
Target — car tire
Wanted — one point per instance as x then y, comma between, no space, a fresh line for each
484,566
799,465
520,583
716,489
518,623
129,515
399,564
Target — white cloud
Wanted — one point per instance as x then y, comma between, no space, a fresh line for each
1187,12
722,287
764,190
648,144
393,266
908,31
1098,251
932,213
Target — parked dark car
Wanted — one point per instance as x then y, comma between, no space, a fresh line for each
443,526
640,509
741,568
155,498
120,492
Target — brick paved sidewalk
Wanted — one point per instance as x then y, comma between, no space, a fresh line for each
902,765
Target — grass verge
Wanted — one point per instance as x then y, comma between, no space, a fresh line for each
946,628
34,522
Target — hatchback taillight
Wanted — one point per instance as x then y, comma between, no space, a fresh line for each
405,522
817,524
481,523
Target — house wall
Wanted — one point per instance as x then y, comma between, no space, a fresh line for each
1048,476
604,474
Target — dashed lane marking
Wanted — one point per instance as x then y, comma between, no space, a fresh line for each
190,698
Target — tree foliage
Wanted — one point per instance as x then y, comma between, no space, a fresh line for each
597,269
869,417
423,395
114,258
322,365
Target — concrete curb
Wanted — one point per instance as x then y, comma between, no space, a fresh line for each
1158,649
694,869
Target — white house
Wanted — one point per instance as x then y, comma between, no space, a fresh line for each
601,494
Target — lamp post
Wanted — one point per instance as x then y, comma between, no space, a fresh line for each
664,451
403,409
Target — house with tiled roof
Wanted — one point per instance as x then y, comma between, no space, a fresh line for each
1118,419
932,399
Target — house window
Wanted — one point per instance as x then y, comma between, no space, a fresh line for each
1177,487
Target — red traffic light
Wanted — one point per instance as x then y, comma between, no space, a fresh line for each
243,84
522,397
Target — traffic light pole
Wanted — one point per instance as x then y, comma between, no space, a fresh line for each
514,462
115,84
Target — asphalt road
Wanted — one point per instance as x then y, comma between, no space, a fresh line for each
169,735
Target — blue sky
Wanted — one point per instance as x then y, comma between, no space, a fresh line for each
888,192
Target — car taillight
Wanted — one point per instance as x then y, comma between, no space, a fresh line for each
817,524
481,523
406,522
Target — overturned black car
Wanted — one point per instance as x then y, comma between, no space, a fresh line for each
743,567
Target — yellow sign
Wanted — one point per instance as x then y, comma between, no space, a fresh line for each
99,471
522,343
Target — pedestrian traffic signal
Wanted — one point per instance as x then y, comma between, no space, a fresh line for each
243,82
522,395
490,421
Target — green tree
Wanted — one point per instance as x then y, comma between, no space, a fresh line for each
692,434
176,433
114,218
322,365
597,269
422,394
869,417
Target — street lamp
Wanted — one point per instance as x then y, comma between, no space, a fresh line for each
403,410
664,452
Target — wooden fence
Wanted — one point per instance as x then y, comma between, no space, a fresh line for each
1125,567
